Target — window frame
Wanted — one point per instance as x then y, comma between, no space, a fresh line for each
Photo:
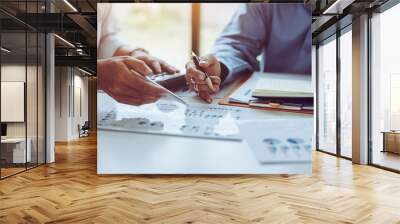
378,10
333,37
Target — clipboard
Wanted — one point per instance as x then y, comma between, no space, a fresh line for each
241,80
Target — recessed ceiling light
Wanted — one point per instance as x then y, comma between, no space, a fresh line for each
70,5
337,7
5,50
65,41
86,72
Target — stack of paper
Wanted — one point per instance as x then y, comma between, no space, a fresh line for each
276,90
283,85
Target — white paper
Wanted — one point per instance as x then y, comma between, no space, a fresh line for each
277,141
172,118
243,93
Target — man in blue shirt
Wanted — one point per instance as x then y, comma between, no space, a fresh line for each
280,32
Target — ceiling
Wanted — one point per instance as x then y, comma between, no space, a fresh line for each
76,24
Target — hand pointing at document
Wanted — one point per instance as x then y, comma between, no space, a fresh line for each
123,78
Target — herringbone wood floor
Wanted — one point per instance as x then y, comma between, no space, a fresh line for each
70,191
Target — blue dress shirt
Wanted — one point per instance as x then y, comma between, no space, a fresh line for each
280,32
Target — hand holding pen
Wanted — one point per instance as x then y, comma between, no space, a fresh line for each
203,76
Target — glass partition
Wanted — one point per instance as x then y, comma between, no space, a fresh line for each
41,97
22,90
32,87
14,153
31,98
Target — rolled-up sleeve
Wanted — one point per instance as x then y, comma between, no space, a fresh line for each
242,39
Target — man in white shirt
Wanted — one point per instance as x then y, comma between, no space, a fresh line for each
121,68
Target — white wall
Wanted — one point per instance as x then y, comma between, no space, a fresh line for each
70,84
61,103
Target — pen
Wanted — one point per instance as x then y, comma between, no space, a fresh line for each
206,78
171,93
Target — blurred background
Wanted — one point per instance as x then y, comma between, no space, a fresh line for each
171,30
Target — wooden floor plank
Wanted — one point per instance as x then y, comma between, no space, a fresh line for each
70,191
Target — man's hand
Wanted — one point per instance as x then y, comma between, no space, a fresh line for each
123,78
196,78
157,65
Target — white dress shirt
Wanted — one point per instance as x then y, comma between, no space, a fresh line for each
107,31
280,32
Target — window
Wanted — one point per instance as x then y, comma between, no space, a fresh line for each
346,94
329,132
385,87
327,96
210,27
142,24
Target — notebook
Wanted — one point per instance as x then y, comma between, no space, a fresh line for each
272,91
283,85
284,91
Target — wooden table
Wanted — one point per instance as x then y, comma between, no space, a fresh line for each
391,141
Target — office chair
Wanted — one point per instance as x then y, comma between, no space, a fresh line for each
84,130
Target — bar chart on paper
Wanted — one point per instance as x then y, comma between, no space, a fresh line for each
173,118
281,140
